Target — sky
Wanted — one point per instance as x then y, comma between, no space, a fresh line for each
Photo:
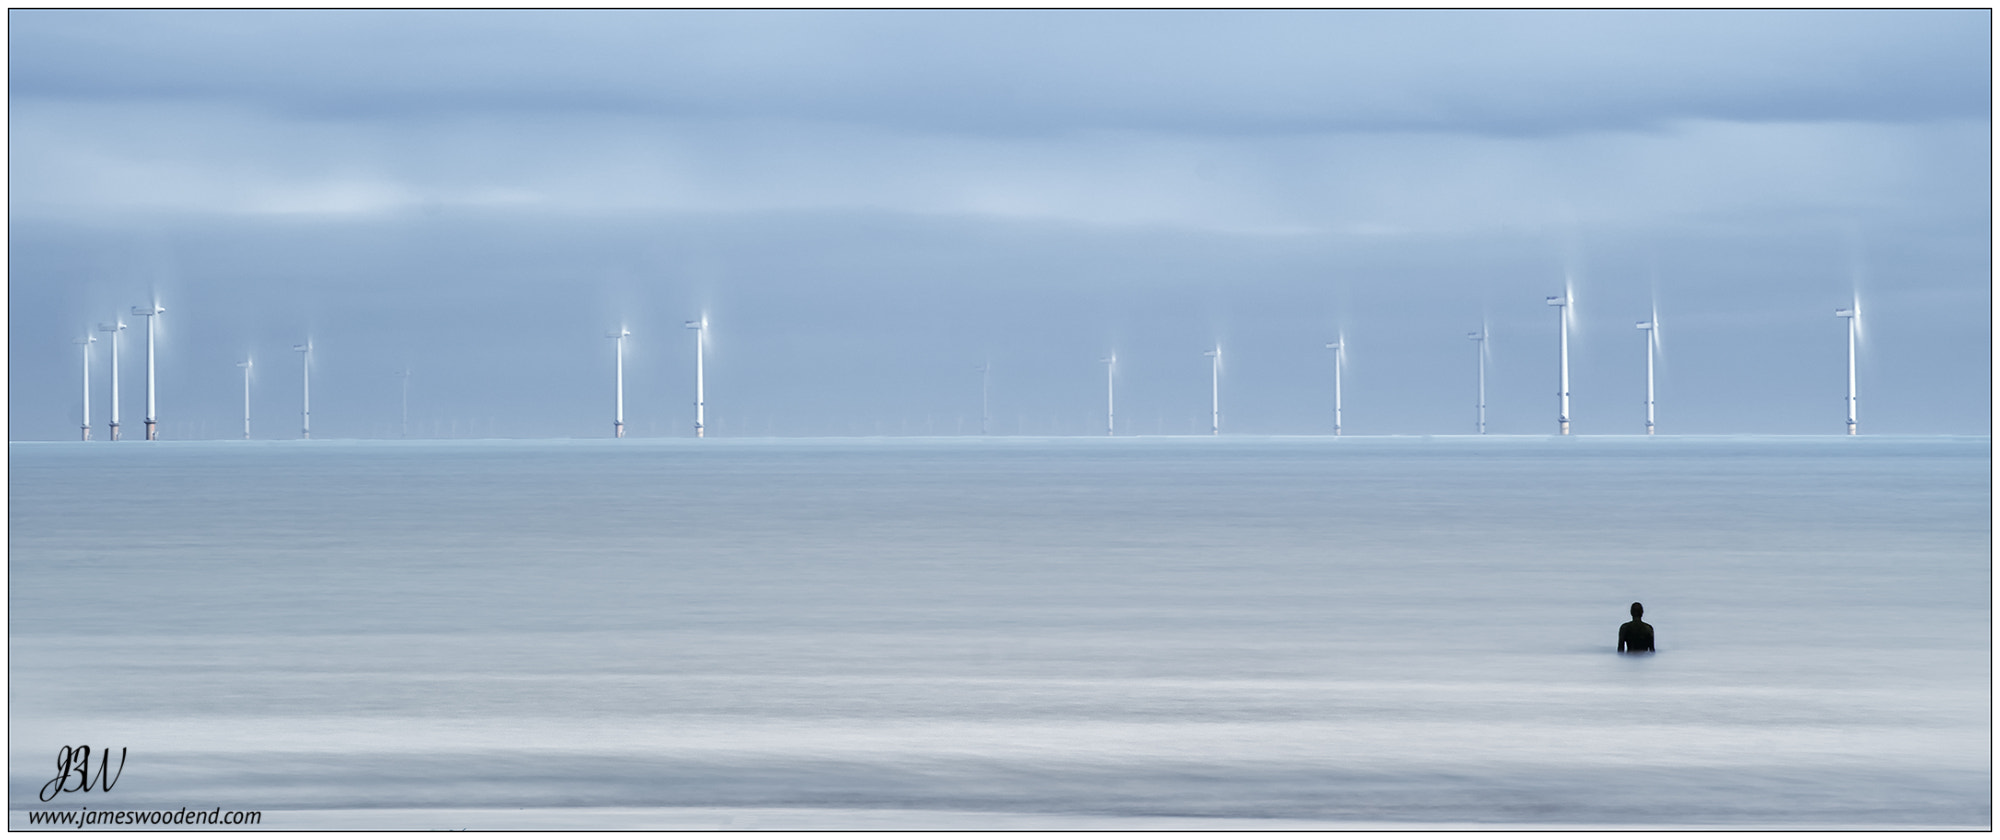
869,206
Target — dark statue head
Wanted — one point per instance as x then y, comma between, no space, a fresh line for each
1637,610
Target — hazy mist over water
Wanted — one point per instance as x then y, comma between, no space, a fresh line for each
1406,631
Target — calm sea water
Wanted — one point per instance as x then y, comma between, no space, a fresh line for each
1009,632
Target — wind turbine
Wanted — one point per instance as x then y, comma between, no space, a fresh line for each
245,365
1562,303
1481,338
1110,370
306,411
1651,326
114,328
406,400
1853,316
151,314
1215,391
985,379
86,341
1339,348
618,421
700,327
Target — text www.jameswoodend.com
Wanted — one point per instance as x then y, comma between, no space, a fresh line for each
85,816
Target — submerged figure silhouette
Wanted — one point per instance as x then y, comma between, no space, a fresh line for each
1635,636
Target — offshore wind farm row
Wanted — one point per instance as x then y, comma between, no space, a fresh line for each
1563,303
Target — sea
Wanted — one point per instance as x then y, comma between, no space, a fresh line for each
1004,632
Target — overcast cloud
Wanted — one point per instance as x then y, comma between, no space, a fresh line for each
869,204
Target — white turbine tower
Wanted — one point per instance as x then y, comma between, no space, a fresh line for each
700,327
985,380
1110,417
1215,391
114,328
151,314
1481,338
1562,303
618,420
306,409
406,400
1339,348
1651,326
245,365
1853,316
86,341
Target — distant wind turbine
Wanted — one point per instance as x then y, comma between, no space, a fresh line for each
1339,348
86,341
618,420
151,314
1215,391
1651,326
306,410
1481,338
114,328
1562,303
700,327
1110,371
1853,316
406,400
245,365
985,379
